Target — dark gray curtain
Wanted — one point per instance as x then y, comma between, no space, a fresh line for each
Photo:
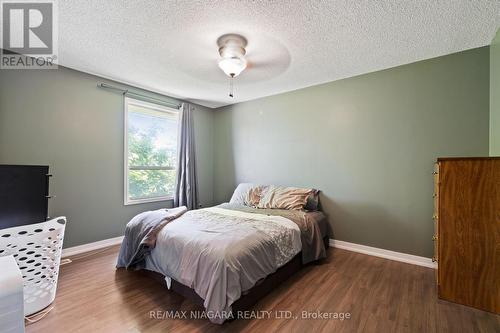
186,188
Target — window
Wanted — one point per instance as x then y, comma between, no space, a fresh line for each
150,151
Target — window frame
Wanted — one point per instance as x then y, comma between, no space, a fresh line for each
157,107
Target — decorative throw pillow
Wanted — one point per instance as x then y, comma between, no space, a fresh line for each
254,195
292,198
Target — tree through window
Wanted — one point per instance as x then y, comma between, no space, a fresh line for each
150,151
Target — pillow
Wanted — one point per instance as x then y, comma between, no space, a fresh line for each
240,193
253,195
291,198
312,202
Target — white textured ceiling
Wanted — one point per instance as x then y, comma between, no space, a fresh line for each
170,46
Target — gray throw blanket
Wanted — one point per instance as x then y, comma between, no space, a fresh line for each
141,234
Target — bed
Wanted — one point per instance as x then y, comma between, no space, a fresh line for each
229,256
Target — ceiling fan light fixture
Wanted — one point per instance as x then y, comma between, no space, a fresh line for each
232,52
233,66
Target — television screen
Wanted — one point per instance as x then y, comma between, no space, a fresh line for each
23,195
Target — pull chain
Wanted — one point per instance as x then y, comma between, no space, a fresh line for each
231,85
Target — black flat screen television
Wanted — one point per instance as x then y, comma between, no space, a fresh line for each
24,193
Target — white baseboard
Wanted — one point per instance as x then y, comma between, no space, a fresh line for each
72,251
392,255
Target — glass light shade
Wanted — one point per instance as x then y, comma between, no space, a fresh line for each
232,66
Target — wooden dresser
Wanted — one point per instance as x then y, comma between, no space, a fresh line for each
467,231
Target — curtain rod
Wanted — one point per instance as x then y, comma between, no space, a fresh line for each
144,97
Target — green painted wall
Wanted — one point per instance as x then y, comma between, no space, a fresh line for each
495,96
60,118
368,142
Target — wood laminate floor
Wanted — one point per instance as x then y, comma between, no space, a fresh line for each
380,296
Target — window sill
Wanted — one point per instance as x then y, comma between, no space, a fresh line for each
147,200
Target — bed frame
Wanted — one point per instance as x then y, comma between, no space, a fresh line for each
252,296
